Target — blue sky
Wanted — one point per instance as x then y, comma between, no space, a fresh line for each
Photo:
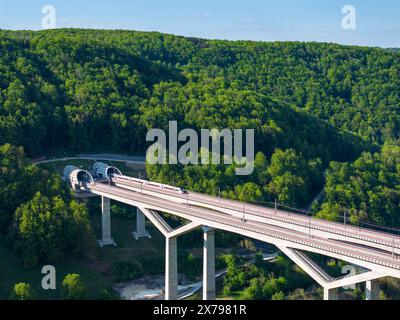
378,21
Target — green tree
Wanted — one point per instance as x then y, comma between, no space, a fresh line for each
72,287
278,296
367,189
22,291
259,260
293,177
45,229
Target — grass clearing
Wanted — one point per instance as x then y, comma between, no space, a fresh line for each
12,272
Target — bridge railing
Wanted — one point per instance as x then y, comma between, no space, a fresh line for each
345,219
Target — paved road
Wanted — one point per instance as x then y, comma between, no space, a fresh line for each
98,157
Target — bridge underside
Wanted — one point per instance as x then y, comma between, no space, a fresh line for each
329,284
376,254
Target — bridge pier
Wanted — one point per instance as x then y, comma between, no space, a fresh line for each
106,239
171,269
208,264
171,260
140,231
372,290
331,294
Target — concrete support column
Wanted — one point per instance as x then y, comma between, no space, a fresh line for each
208,264
331,294
372,290
106,239
171,269
140,231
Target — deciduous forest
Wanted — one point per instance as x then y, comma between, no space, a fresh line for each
326,117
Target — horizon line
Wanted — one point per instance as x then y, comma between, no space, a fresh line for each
201,38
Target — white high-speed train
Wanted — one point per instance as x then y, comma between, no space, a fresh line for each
147,183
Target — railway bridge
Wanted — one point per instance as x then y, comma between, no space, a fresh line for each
375,253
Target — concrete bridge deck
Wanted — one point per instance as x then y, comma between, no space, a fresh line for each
375,254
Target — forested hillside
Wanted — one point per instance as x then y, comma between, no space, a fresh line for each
85,86
367,189
309,103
